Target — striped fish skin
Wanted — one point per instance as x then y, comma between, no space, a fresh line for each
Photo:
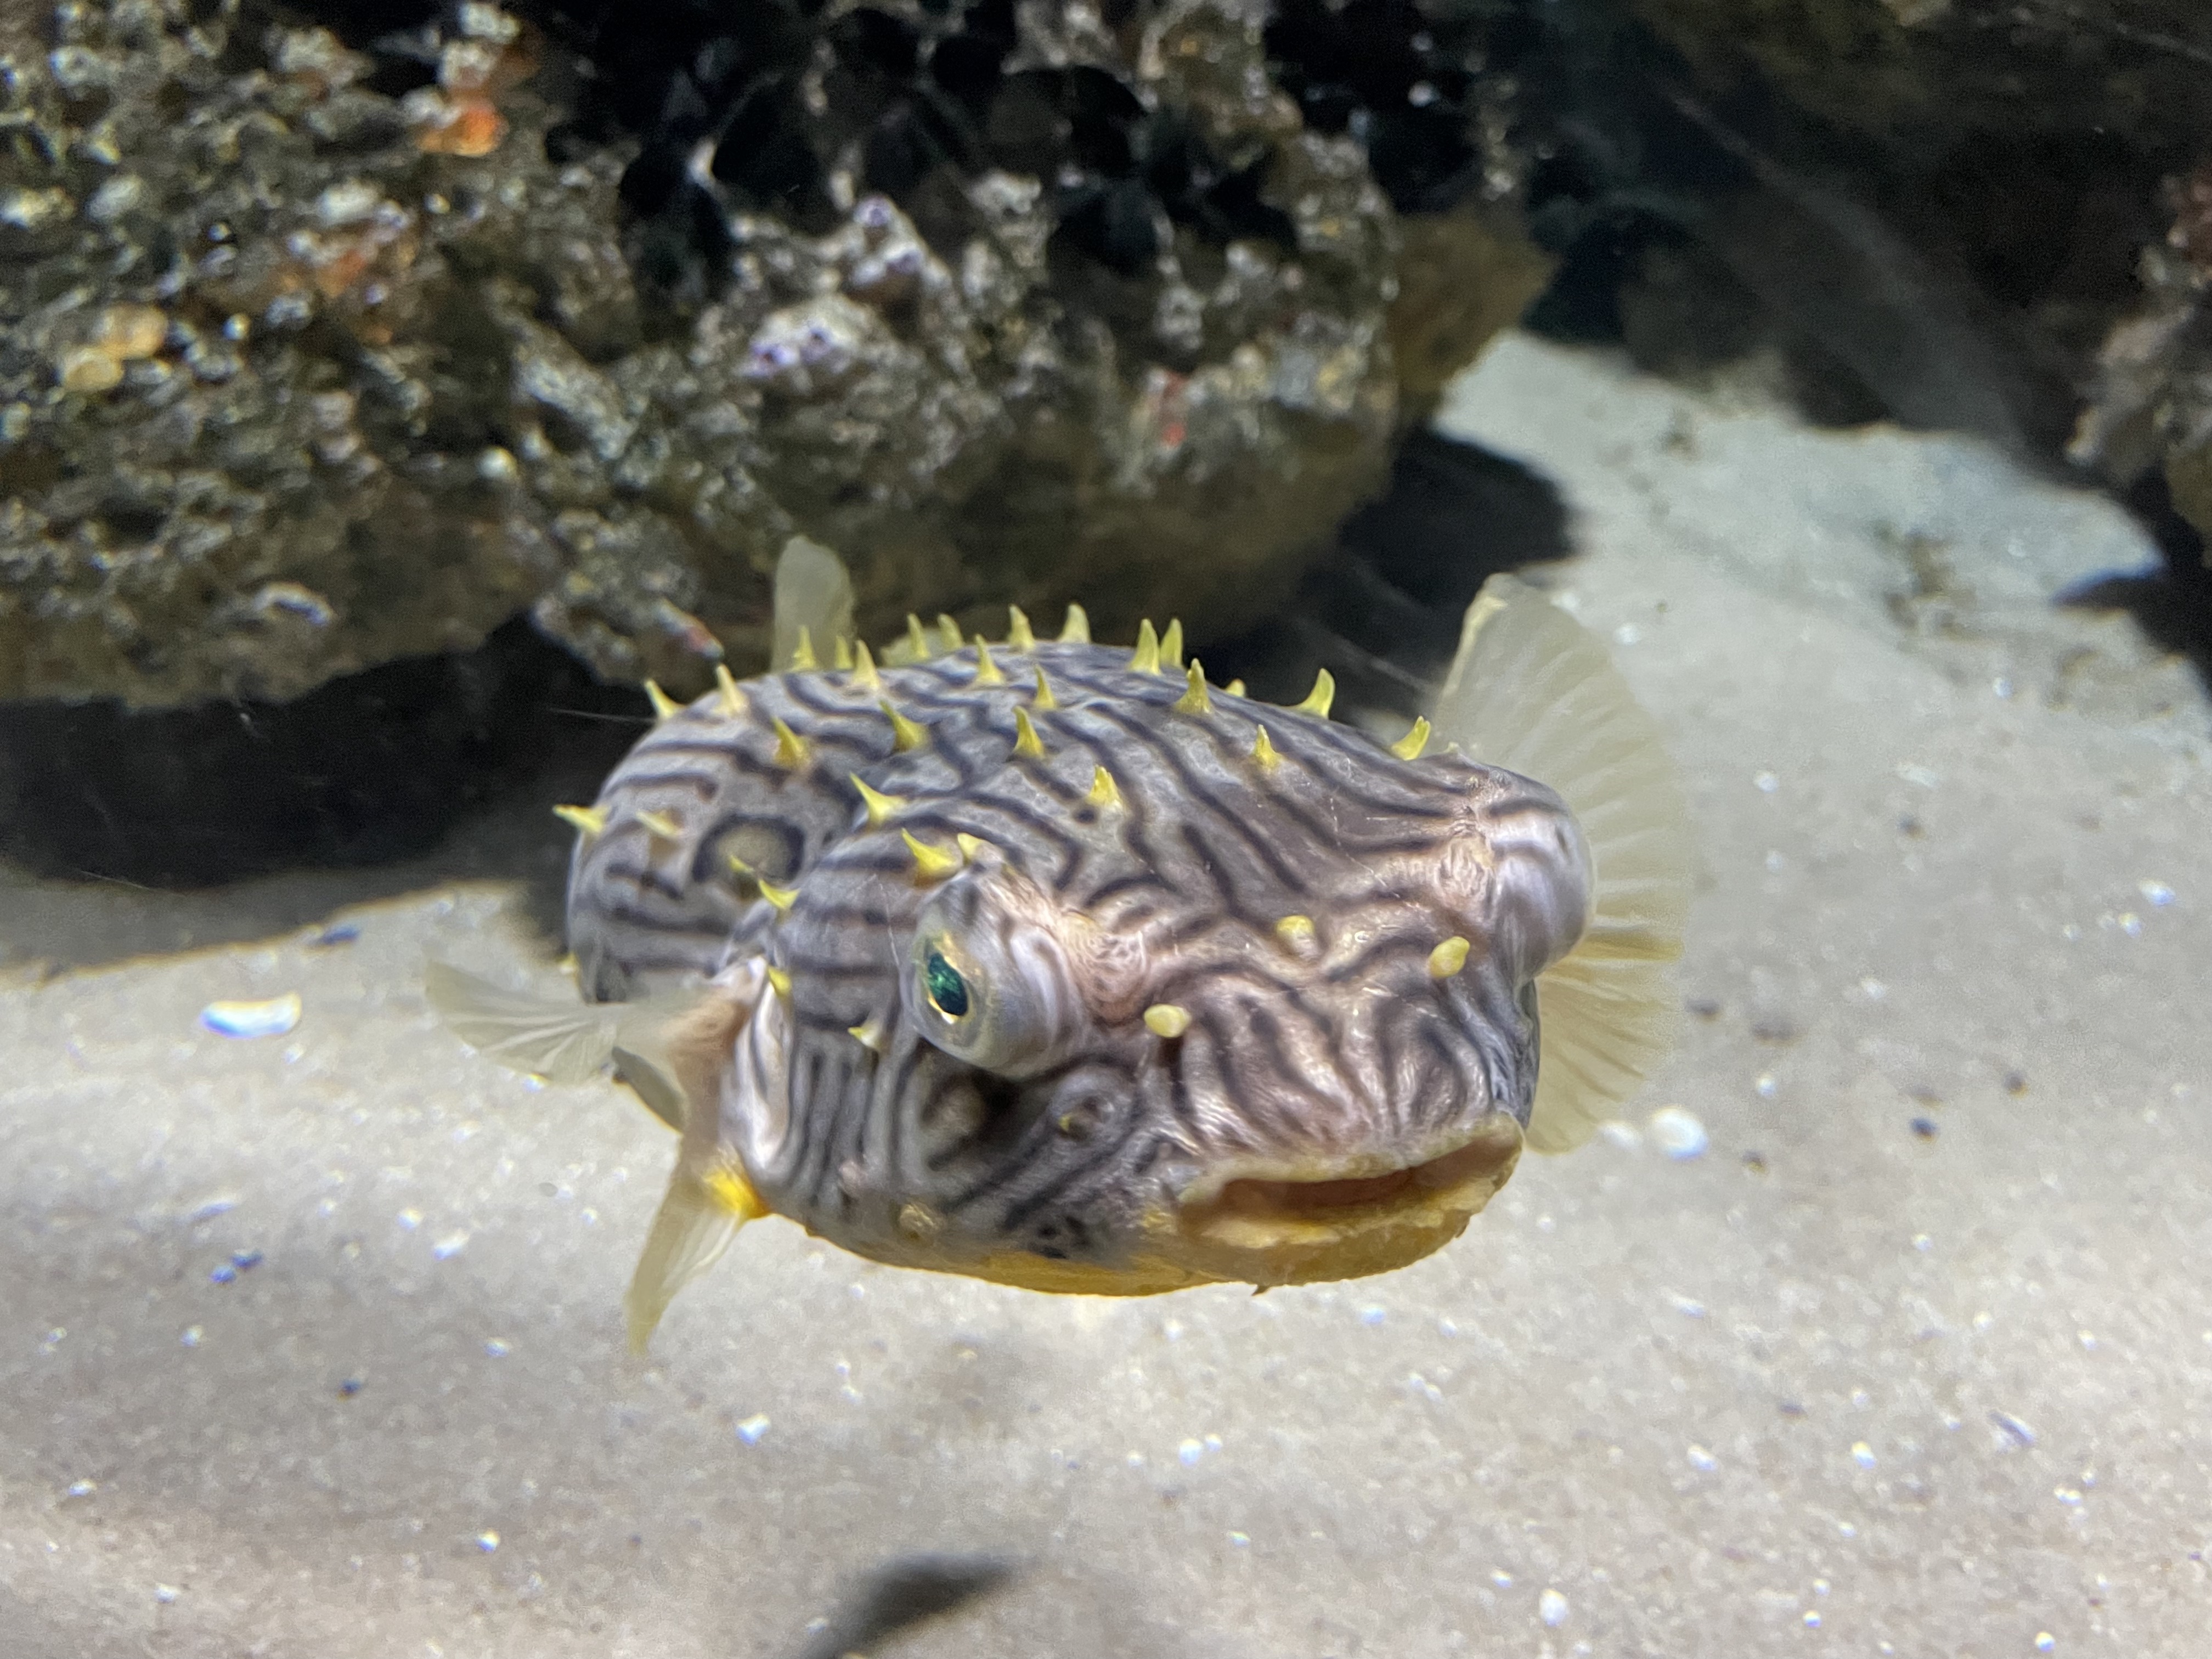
1052,1124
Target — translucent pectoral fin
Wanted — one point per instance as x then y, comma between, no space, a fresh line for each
1606,1024
698,1217
1534,691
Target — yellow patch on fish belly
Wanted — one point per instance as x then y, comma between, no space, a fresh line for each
735,1193
1145,1276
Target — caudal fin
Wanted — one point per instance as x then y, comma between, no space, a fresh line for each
1533,691
561,1039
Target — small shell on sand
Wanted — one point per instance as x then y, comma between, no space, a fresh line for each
1677,1132
273,1017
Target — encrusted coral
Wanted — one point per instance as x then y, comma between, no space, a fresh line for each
327,348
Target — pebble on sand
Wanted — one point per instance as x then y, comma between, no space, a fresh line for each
1551,1607
1677,1132
272,1018
753,1428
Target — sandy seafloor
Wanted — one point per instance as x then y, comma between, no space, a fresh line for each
1836,1387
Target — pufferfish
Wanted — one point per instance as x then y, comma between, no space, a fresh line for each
1053,964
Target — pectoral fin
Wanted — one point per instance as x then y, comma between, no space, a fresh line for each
1535,692
709,1195
697,1218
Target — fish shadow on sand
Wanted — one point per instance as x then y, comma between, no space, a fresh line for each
150,832
2172,605
903,1593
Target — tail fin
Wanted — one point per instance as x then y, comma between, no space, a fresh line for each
561,1040
1533,691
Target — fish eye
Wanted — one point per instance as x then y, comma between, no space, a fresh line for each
946,990
993,992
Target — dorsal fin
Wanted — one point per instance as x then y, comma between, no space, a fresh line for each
813,590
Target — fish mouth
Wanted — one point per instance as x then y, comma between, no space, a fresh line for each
1292,1222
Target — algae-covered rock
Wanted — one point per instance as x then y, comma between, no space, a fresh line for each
318,355
1928,73
2151,403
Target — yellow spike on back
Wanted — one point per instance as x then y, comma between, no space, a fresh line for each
662,825
881,807
869,1034
1409,747
586,820
1297,932
841,657
782,897
791,748
1027,743
780,978
1234,688
931,863
663,704
1318,700
906,736
1145,658
1171,644
1447,958
864,666
1044,699
971,845
1194,700
1104,791
950,630
802,654
987,672
915,638
1263,752
1019,637
732,703
1076,630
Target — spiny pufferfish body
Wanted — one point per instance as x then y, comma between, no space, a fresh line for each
1050,964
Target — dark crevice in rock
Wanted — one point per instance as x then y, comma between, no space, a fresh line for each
371,768
1382,613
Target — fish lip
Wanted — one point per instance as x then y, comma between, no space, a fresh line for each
1255,1204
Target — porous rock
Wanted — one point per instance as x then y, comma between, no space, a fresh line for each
318,357
1933,74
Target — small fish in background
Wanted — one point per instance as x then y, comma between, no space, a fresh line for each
1053,964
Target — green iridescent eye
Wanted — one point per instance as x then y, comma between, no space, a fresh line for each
948,992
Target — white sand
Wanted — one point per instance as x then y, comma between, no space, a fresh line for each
1705,1406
